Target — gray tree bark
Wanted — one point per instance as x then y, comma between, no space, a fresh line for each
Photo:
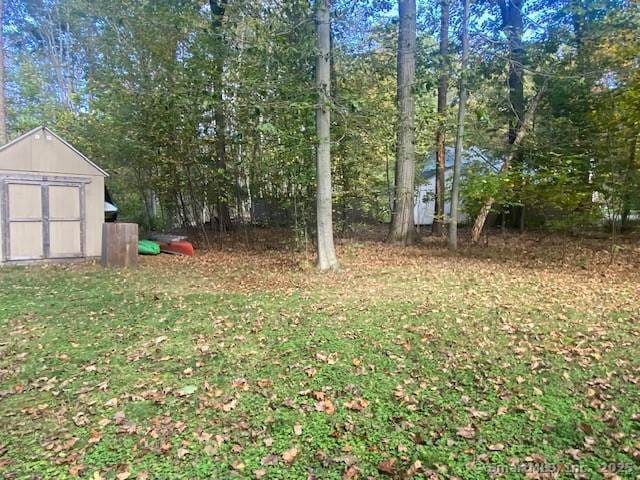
327,259
443,83
462,107
222,206
476,231
403,230
3,106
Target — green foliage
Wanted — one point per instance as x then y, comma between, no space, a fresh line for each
137,85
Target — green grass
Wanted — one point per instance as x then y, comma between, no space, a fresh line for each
186,369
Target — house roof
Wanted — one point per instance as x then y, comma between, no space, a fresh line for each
469,155
49,131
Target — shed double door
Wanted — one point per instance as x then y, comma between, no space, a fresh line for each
42,220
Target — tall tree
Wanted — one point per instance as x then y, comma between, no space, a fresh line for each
3,107
403,230
327,259
511,11
462,106
443,83
512,24
478,225
222,207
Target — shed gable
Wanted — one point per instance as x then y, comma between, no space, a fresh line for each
42,151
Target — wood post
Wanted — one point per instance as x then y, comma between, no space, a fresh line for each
120,245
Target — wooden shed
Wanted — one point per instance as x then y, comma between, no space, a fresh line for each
51,200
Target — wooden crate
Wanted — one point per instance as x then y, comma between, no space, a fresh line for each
120,245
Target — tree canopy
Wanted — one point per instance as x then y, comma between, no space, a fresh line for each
149,88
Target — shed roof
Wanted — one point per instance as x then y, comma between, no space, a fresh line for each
469,155
47,130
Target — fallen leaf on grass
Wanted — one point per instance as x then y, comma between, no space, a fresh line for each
297,429
80,419
388,466
415,468
574,453
357,404
290,455
240,383
265,383
269,460
123,473
261,472
66,445
227,407
496,447
95,437
350,473
326,406
182,452
76,470
466,432
203,437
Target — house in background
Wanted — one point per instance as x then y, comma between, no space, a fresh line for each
425,191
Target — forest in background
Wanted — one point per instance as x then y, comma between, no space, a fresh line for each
204,112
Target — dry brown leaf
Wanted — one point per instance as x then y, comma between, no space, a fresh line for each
95,437
388,466
326,406
350,473
357,404
466,432
227,407
270,460
290,455
123,473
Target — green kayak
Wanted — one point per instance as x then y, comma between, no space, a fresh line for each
147,247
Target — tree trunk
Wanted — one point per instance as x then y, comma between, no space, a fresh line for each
3,107
462,105
476,231
326,250
443,81
222,206
627,197
512,25
403,230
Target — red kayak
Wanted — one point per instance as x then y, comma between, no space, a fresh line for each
180,247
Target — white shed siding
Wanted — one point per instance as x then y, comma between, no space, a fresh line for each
425,201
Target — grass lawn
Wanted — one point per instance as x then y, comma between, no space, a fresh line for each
247,364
